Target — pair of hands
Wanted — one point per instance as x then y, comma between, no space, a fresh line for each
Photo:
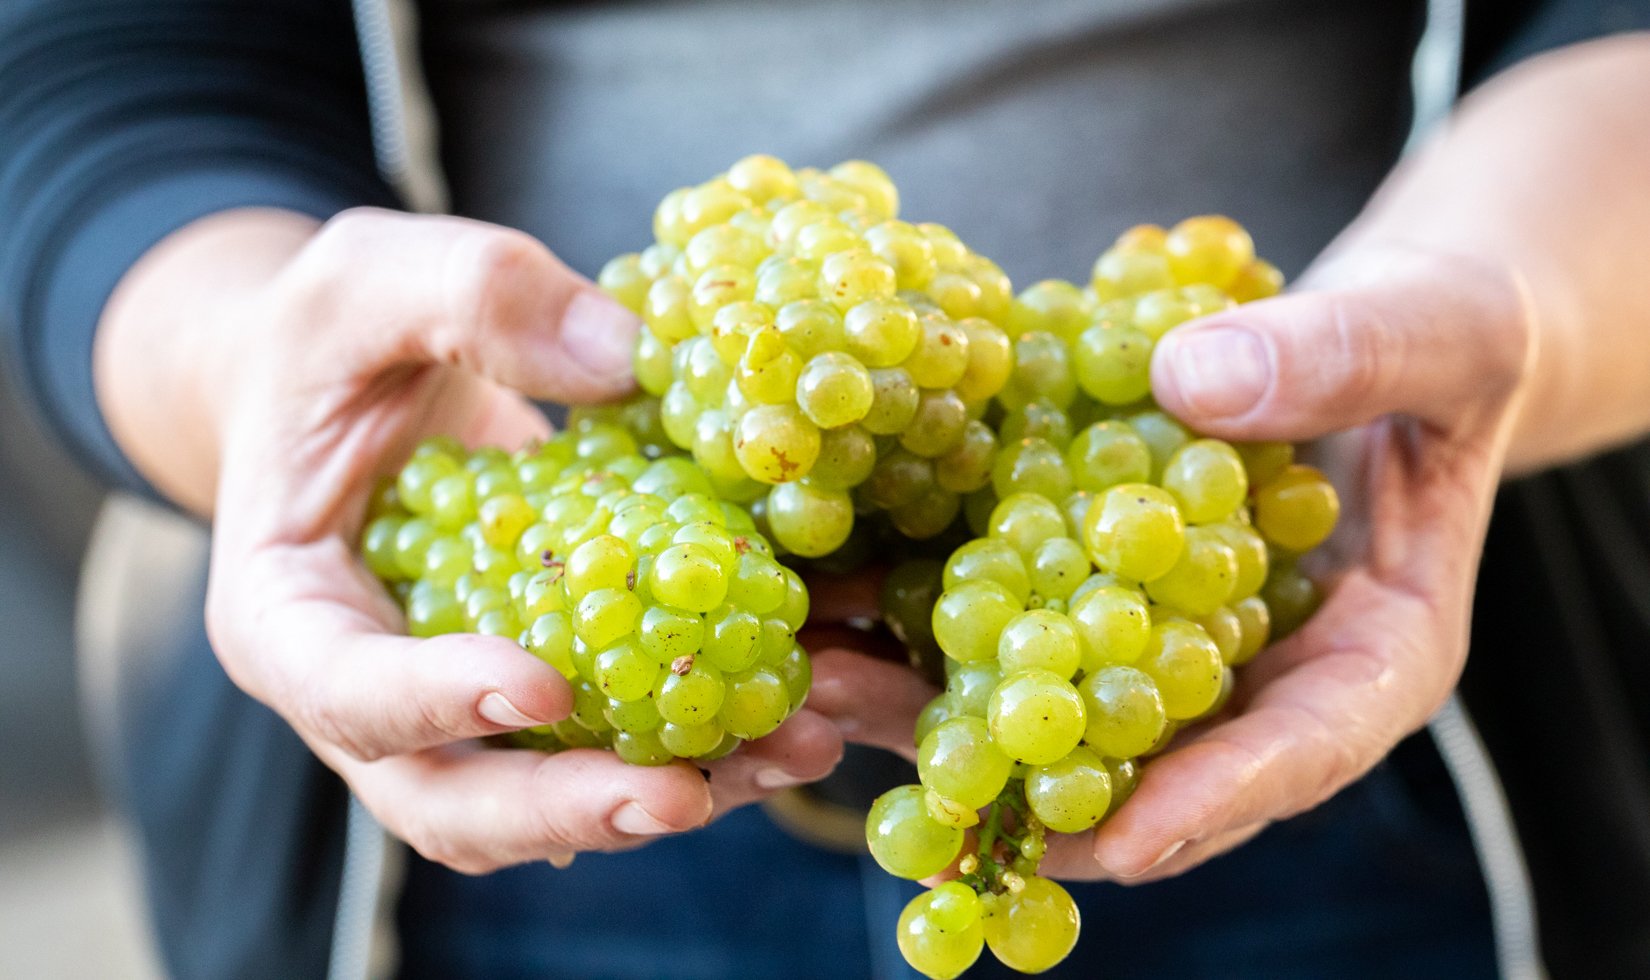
383,328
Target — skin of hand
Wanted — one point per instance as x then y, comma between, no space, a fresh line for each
326,353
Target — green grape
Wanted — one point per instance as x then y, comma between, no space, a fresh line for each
533,544
711,536
758,583
703,369
1125,712
894,398
432,612
932,714
1163,435
940,932
1113,363
641,748
715,288
834,390
905,249
1160,311
1259,279
1038,639
1036,716
502,621
907,604
1042,369
1038,418
872,183
989,559
1051,306
776,443
726,244
1071,794
1290,597
905,840
711,203
1130,272
1125,776
793,610
990,360
968,618
667,634
789,221
690,741
1207,477
694,507
689,577
1201,580
1032,929
1297,509
927,516
956,294
809,520
1209,249
625,672
378,547
811,327
1025,521
494,565
603,562
959,761
452,501
1264,461
416,480
503,518
846,458
941,357
1031,466
948,248
550,638
850,278
679,411
1255,623
412,545
1135,531
996,291
755,702
1223,627
605,616
668,308
786,280
767,373
1186,666
881,332
446,559
1057,567
1252,559
692,696
937,425
633,716
762,178
901,477
798,673
970,684
967,466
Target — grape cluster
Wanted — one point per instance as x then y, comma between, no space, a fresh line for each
1123,567
659,602
817,356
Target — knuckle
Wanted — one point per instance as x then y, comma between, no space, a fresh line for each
488,270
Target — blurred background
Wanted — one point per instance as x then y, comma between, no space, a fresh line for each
69,901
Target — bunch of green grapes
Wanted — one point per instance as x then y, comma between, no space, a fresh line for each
1120,573
817,356
659,602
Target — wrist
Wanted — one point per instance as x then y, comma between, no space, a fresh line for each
170,357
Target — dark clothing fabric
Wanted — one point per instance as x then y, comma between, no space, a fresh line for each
122,120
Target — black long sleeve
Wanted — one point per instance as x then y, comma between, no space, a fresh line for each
123,120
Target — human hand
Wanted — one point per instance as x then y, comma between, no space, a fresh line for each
1425,358
379,328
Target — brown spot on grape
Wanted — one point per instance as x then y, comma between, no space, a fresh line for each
547,558
630,580
681,665
741,544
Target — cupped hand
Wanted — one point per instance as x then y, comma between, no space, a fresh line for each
380,329
1419,362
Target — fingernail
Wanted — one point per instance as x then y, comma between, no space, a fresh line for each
497,709
632,819
599,333
776,778
1168,852
561,860
1219,371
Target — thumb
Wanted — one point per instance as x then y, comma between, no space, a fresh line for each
1368,335
495,301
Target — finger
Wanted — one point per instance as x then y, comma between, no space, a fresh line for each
304,629
871,701
477,809
803,750
1370,335
443,290
1348,695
